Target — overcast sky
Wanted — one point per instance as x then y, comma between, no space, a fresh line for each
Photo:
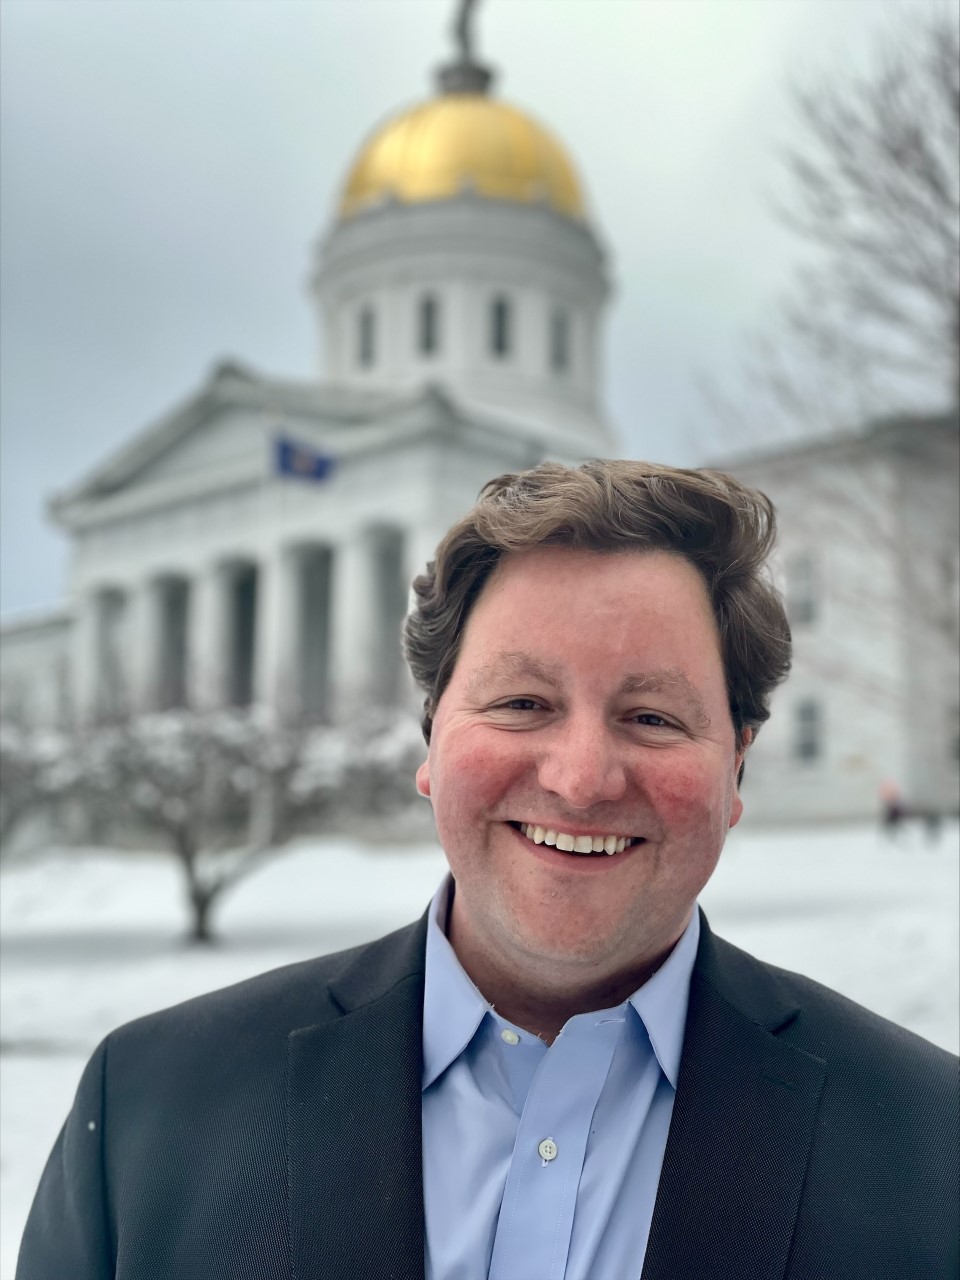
167,165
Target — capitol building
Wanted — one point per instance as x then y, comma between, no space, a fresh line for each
256,545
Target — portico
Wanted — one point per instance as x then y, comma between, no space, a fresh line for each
308,629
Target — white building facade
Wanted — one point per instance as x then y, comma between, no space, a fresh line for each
868,559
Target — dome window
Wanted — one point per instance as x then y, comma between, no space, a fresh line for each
428,326
366,338
501,337
559,341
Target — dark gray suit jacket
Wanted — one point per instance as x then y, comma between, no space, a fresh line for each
271,1131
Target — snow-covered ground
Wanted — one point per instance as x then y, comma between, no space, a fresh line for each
90,940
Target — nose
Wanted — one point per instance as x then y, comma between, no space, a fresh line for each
583,764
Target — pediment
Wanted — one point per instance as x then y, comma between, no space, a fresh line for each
222,437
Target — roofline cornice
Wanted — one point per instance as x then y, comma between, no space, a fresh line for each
896,431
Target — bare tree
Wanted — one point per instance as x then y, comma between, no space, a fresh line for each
845,408
36,778
871,324
222,791
200,787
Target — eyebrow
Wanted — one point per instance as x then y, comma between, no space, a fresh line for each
668,679
509,665
516,663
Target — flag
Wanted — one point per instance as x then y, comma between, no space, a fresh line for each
301,460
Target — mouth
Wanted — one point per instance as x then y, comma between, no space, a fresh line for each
582,845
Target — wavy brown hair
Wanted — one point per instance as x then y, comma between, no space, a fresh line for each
724,528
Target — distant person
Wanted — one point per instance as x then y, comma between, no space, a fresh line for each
891,807
559,1072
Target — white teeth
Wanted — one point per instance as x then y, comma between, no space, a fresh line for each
575,844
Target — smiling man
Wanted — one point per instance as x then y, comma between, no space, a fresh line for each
559,1073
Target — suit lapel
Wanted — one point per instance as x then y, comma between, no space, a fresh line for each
741,1131
353,1123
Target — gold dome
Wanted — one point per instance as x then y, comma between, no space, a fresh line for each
463,141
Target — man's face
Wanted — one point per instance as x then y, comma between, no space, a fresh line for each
588,699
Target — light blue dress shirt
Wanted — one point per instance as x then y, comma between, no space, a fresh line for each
542,1163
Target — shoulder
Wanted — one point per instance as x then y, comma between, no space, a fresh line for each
826,1024
259,1013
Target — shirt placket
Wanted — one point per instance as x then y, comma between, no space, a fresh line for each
532,1241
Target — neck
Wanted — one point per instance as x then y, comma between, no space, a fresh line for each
541,996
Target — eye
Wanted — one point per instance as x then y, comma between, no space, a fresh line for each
519,704
651,720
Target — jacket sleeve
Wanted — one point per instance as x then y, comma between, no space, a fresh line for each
68,1230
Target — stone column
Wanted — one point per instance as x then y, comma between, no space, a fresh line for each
144,638
207,641
275,676
355,617
86,658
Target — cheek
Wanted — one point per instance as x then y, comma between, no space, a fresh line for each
470,777
687,797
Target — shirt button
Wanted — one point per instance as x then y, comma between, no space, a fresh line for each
548,1149
509,1036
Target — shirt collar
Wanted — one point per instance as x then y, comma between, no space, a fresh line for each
662,1000
453,1008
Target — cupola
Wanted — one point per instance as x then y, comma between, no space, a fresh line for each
462,253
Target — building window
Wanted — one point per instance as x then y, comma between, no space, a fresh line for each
559,341
366,338
807,731
428,326
500,326
802,595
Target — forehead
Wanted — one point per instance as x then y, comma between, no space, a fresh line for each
630,574
564,600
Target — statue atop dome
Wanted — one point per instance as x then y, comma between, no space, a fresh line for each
466,74
463,29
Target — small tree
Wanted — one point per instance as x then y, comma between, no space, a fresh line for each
214,789
224,791
37,777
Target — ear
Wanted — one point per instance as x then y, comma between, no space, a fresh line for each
736,807
423,779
